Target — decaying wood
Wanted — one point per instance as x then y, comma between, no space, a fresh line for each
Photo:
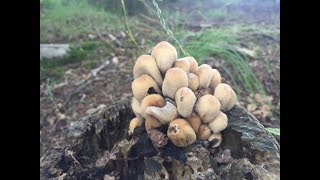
247,151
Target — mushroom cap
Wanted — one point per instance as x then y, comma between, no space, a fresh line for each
142,86
207,107
195,121
193,64
151,100
182,63
146,64
185,100
135,105
216,79
215,139
226,96
193,81
181,133
151,123
165,54
204,132
233,101
205,74
219,123
164,114
174,79
135,122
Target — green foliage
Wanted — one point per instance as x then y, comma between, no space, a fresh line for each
275,131
74,20
219,43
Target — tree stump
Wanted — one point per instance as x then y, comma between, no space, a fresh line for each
97,147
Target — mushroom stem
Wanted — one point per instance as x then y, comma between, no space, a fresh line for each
164,114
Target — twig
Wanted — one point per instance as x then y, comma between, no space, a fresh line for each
70,153
127,27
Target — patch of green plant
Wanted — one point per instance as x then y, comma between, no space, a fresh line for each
219,43
78,53
213,14
275,131
89,64
75,20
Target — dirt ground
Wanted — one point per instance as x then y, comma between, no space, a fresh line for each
83,90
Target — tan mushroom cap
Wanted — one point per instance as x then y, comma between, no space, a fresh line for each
135,122
208,108
216,79
142,85
193,64
174,79
181,133
204,132
182,63
151,123
185,100
151,100
226,96
195,121
165,54
205,74
233,101
193,81
146,64
215,137
164,114
135,105
219,123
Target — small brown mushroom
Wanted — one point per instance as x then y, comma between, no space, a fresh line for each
207,107
181,133
215,139
193,64
204,132
146,64
216,79
164,114
135,105
195,121
174,79
226,96
205,74
135,122
193,81
183,64
219,123
165,54
151,100
142,85
185,100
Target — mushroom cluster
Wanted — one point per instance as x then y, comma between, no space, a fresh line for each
190,98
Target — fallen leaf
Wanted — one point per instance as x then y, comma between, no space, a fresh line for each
251,107
107,177
51,120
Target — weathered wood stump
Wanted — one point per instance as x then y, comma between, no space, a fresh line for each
93,150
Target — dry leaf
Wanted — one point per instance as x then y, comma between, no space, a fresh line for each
51,120
251,107
107,177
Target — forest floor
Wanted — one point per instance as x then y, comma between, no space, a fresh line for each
99,69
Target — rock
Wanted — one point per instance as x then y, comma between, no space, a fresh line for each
247,151
50,51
